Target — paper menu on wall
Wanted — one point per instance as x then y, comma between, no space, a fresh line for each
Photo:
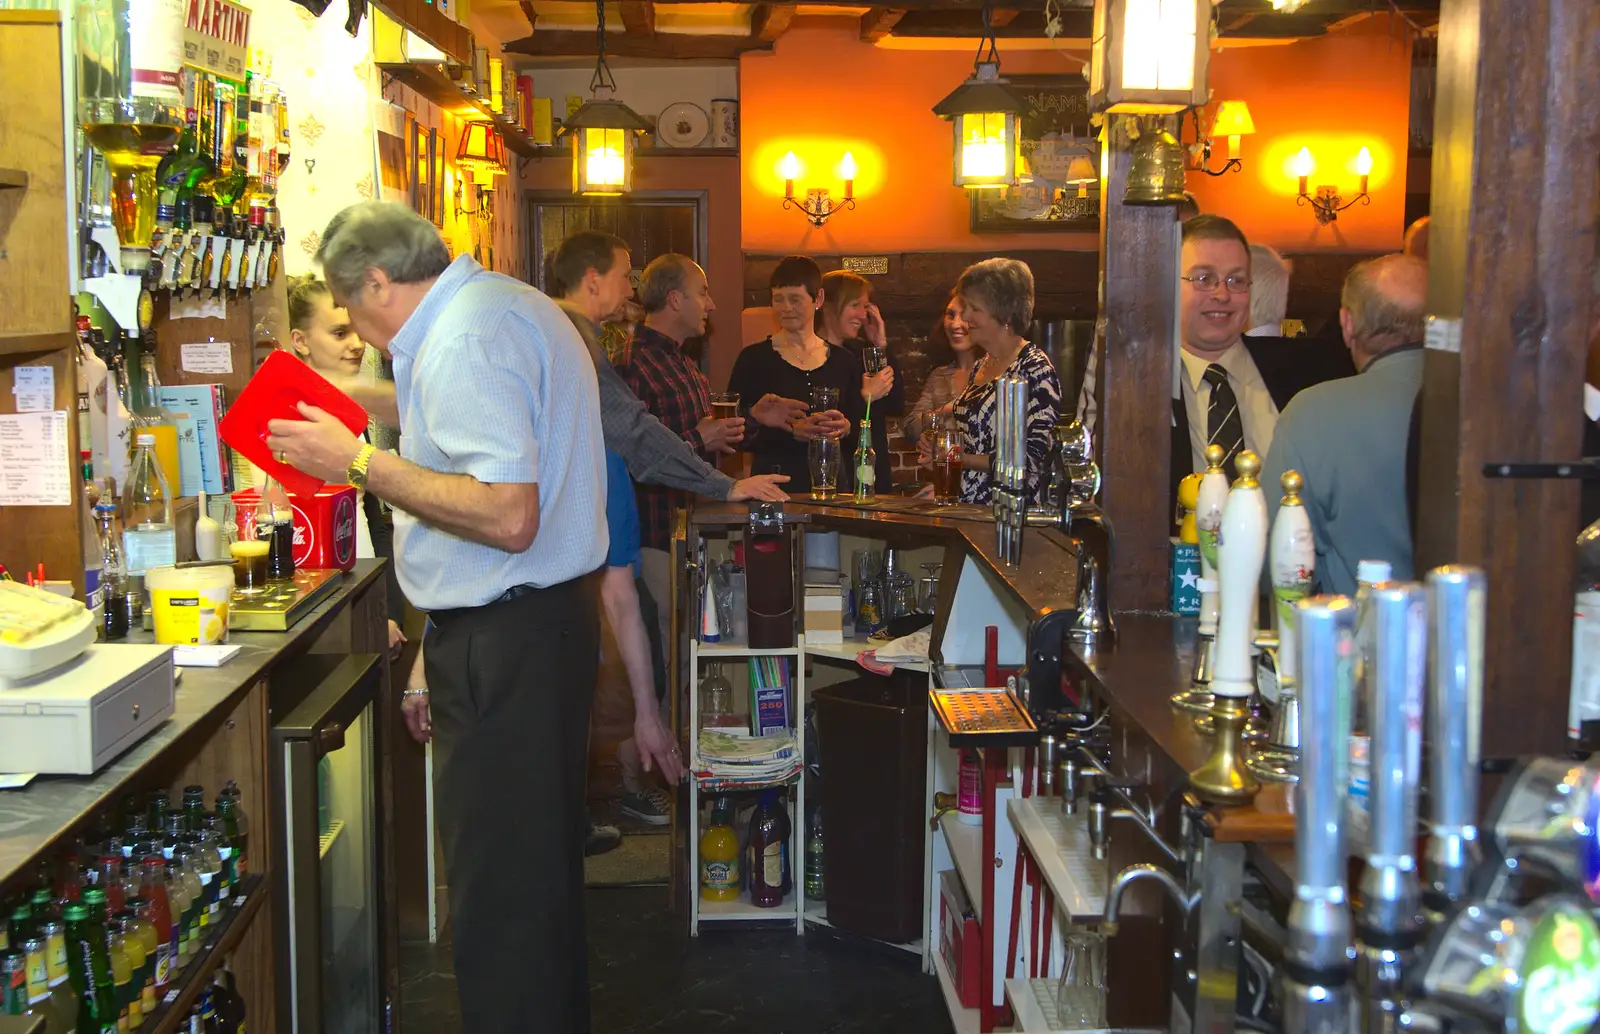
191,479
34,388
34,468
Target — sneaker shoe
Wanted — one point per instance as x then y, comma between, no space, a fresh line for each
652,807
602,838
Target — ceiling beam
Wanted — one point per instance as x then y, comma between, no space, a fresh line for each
528,13
639,17
673,45
768,21
879,22
969,25
1003,17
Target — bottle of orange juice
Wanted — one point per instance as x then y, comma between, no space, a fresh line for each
719,855
155,420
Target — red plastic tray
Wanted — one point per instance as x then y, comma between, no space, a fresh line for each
275,393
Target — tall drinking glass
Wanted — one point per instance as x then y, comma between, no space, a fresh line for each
874,359
946,456
825,455
725,406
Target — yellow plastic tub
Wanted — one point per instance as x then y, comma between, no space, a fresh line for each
190,604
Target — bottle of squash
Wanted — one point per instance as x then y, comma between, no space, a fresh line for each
719,855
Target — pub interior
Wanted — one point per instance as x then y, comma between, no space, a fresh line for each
1200,638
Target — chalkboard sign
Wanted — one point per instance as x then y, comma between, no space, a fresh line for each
1054,130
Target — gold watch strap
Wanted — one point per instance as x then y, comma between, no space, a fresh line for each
358,466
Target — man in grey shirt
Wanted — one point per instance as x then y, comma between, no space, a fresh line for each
1347,437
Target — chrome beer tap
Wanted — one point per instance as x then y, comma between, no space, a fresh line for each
1009,474
1389,926
1316,985
1455,699
1213,496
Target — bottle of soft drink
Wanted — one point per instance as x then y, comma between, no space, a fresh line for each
90,969
149,539
89,536
113,571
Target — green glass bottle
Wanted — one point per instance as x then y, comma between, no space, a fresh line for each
866,463
21,926
13,983
194,808
90,966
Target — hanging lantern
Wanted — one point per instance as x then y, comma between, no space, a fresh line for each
1149,56
604,131
983,111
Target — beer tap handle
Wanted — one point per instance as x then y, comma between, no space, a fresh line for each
1212,498
1455,662
1294,559
1241,551
1390,898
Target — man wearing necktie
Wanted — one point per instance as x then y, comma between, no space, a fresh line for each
1232,386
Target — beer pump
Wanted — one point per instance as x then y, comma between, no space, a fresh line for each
1455,700
1010,467
1208,520
1293,561
1241,551
1389,925
1316,972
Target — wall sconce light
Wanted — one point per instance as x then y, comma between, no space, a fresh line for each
1326,202
818,206
1233,121
983,111
482,153
603,131
1149,56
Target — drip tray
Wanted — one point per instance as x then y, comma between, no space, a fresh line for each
983,718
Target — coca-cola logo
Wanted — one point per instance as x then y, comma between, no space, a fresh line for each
344,530
305,538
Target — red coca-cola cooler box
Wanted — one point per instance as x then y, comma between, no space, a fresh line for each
324,526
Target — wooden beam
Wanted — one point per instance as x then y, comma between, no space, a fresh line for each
1139,253
639,17
528,13
672,45
879,22
1003,17
969,25
1511,255
768,21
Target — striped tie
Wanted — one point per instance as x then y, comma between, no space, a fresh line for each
1224,426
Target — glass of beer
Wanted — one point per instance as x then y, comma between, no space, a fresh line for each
946,465
250,565
825,455
724,405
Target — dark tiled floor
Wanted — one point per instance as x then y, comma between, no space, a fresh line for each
647,975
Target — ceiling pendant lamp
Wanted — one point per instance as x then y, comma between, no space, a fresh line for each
604,131
983,112
1149,57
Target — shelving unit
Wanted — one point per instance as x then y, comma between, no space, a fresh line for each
850,649
964,1020
1033,1005
793,907
1060,845
173,1008
430,81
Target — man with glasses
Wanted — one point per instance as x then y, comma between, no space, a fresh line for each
1231,387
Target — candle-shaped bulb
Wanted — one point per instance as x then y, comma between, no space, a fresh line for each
847,166
1233,146
1304,167
789,169
1292,483
1364,163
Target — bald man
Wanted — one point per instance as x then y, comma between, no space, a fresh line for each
1348,437
1416,242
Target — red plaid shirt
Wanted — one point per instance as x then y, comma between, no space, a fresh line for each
676,393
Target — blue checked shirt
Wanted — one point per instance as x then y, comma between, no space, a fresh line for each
493,381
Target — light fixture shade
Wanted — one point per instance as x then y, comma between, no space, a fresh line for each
1233,119
604,133
481,149
1082,170
1149,56
983,111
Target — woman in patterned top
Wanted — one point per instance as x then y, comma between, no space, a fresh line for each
998,297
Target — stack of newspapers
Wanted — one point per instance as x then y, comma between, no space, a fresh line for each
732,760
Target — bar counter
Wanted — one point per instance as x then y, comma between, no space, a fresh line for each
222,729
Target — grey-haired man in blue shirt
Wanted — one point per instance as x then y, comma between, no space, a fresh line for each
499,500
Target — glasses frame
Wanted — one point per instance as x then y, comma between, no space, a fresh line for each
1203,282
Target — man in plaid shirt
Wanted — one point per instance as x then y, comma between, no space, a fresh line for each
676,302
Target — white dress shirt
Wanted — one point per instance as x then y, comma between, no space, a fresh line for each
1257,411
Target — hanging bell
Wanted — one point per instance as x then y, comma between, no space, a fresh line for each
1156,174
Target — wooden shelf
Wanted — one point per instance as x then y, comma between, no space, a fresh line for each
173,1008
13,179
431,82
686,152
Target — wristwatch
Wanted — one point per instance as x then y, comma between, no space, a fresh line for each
356,473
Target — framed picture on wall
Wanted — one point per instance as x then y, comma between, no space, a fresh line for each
1054,129
417,161
394,172
436,178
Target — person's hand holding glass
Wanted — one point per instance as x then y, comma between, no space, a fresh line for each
822,430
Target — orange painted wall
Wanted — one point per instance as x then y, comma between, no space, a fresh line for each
1333,94
719,177
822,92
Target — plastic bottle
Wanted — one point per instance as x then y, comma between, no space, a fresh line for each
768,865
816,882
719,855
969,795
148,536
145,930
153,895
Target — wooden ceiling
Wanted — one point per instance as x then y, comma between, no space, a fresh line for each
719,30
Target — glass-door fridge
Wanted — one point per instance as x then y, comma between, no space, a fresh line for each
325,756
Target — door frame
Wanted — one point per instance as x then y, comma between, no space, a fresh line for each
532,199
